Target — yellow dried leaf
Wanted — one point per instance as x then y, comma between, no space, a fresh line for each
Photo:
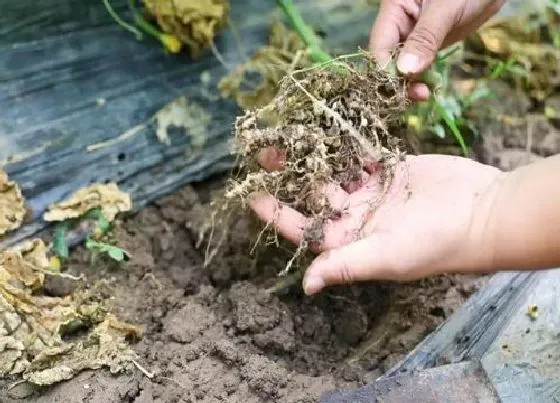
261,74
32,324
106,346
523,40
194,22
12,208
25,264
108,197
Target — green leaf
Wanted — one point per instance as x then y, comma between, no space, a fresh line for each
438,130
451,105
554,5
479,93
451,123
60,245
498,71
114,252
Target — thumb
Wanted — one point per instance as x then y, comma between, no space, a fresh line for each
366,259
421,46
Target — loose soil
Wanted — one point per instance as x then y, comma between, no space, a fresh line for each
214,334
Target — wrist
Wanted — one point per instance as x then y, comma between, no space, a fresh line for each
483,236
516,224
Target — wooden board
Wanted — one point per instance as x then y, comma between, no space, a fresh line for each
513,356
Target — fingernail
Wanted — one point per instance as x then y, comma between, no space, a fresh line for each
312,285
408,63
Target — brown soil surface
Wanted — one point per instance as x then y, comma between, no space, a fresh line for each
215,335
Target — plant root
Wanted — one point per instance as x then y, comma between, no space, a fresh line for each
328,122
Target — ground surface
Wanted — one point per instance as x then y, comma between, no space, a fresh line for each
214,334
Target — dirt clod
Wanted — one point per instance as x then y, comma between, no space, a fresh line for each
188,323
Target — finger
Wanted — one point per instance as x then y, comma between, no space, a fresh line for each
363,260
287,221
460,33
394,21
336,196
419,92
271,159
371,166
421,46
355,185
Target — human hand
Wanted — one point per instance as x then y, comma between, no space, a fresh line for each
425,27
432,220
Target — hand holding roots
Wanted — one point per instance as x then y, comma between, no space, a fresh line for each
329,125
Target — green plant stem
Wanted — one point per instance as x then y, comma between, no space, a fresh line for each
141,22
318,55
452,124
60,245
121,22
146,26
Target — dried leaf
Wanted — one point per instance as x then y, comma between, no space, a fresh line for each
32,324
12,209
108,197
194,22
255,83
188,116
525,39
106,346
25,263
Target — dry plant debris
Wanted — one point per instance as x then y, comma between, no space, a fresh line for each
527,39
186,114
329,122
106,197
33,325
194,22
12,204
254,83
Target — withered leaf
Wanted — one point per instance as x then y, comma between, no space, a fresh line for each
194,22
12,208
32,324
254,83
108,197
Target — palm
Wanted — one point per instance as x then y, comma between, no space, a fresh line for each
424,216
427,211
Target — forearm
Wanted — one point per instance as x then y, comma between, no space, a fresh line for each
523,225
